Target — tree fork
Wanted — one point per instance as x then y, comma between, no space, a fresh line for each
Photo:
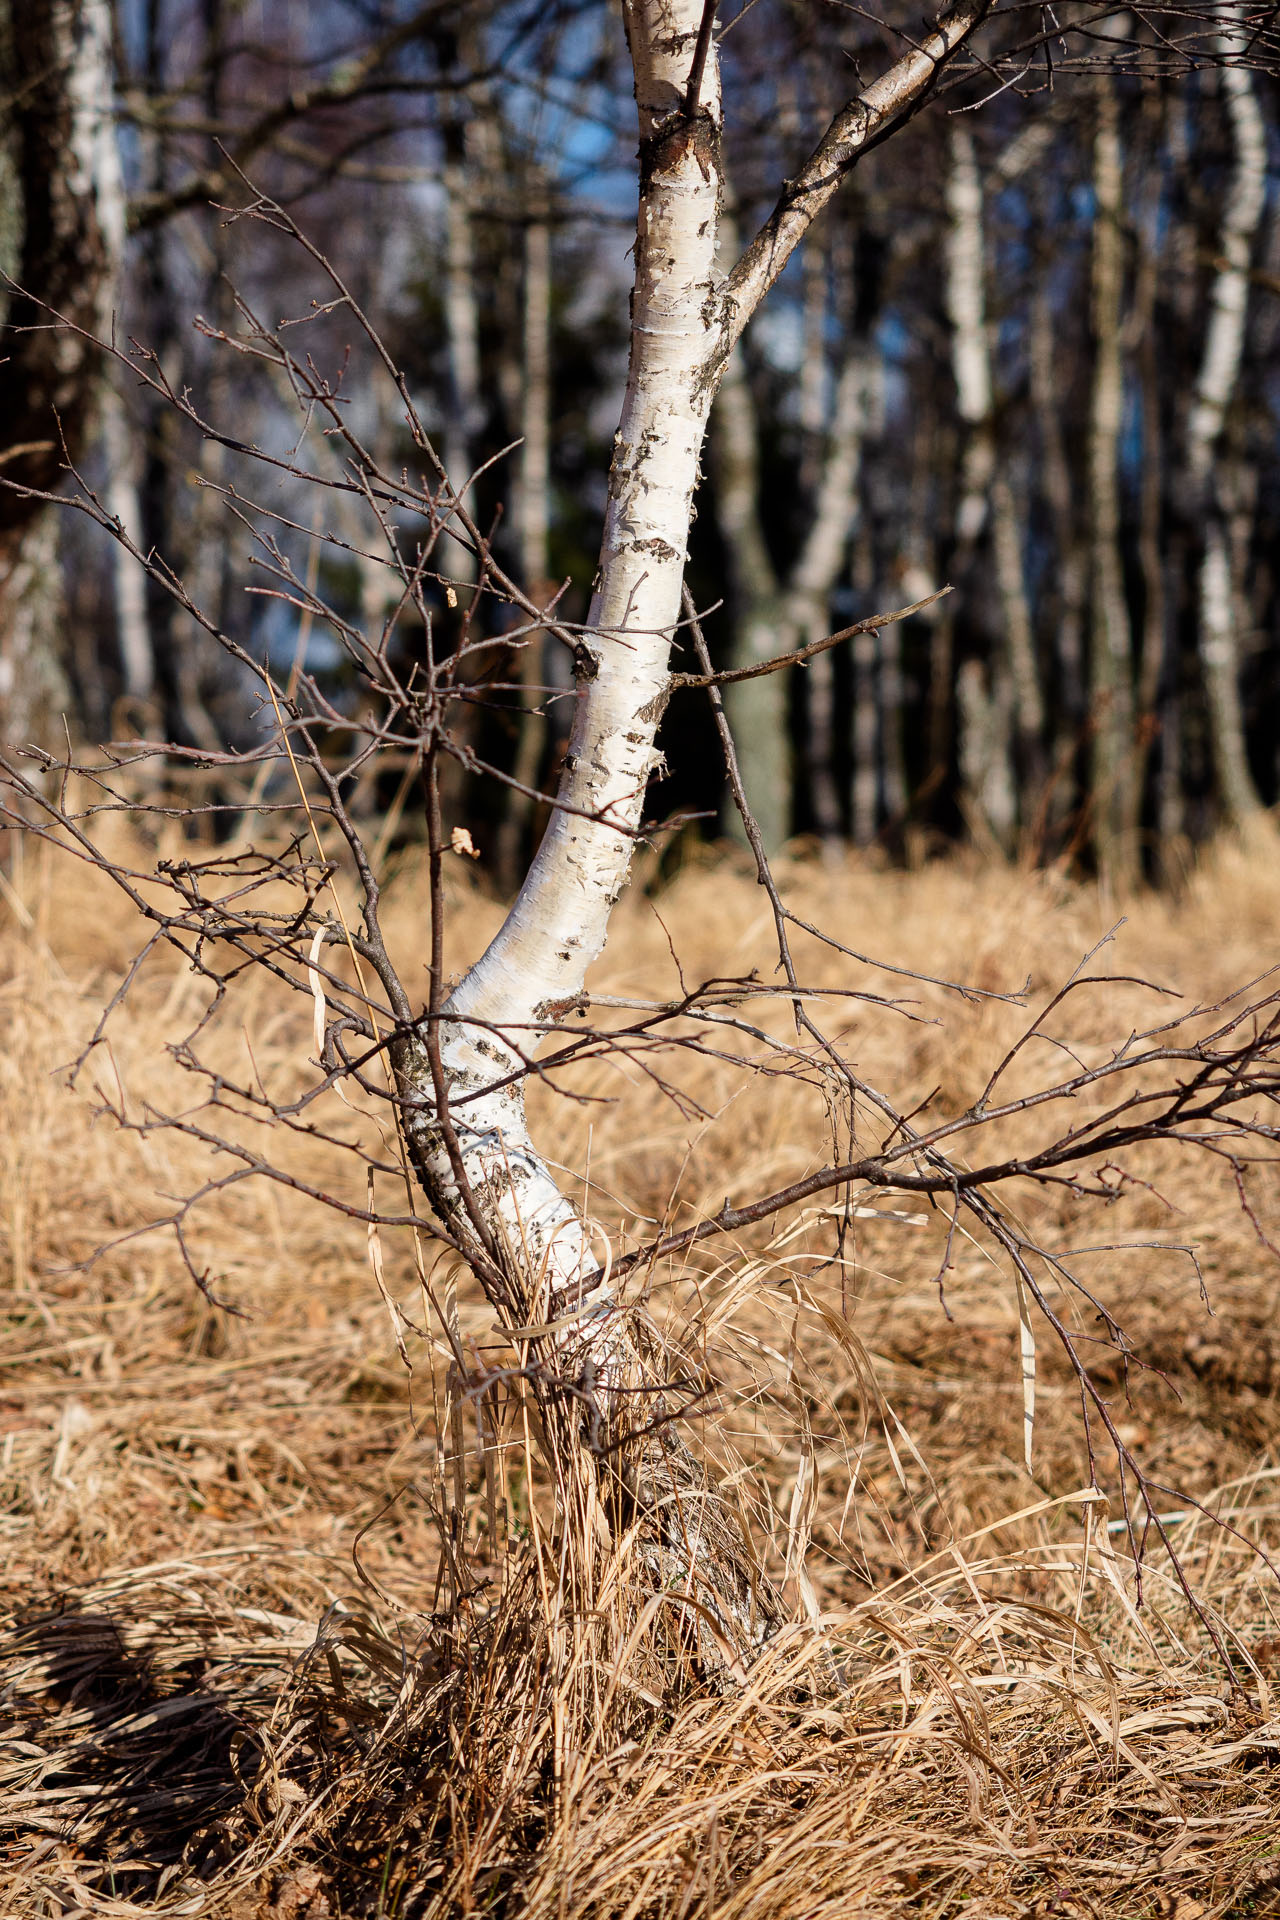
609,1407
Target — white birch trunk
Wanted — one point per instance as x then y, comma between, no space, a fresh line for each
555,929
532,515
970,353
817,567
1011,700
756,709
56,76
1215,386
534,1252
133,630
129,587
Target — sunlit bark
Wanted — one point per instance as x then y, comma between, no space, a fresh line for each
1215,386
463,1114
1110,645
1004,701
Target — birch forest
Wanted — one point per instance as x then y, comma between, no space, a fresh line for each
1026,362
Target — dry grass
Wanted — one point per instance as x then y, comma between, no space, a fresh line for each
210,1714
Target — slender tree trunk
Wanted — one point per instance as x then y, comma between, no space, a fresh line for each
192,663
533,526
775,616
539,1250
1218,377
1110,663
129,584
462,337
865,794
1069,573
56,90
459,1073
757,709
120,442
809,586
1011,692
970,352
891,692
1154,659
1015,607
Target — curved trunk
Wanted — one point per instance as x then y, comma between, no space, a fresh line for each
605,1396
600,1375
1010,701
1110,665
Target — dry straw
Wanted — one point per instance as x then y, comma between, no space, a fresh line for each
294,1630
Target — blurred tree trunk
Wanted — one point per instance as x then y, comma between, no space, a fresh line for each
757,709
121,446
606,1394
1114,802
809,588
1154,661
193,663
129,583
1069,591
462,332
56,134
1215,386
532,506
999,704
773,615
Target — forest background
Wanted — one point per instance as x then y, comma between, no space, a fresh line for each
1029,353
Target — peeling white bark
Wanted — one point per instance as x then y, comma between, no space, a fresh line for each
537,963
684,322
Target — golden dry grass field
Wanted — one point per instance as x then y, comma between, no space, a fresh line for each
211,1710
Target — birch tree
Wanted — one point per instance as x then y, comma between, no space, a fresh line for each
57,164
608,1400
1110,643
459,1073
1216,383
